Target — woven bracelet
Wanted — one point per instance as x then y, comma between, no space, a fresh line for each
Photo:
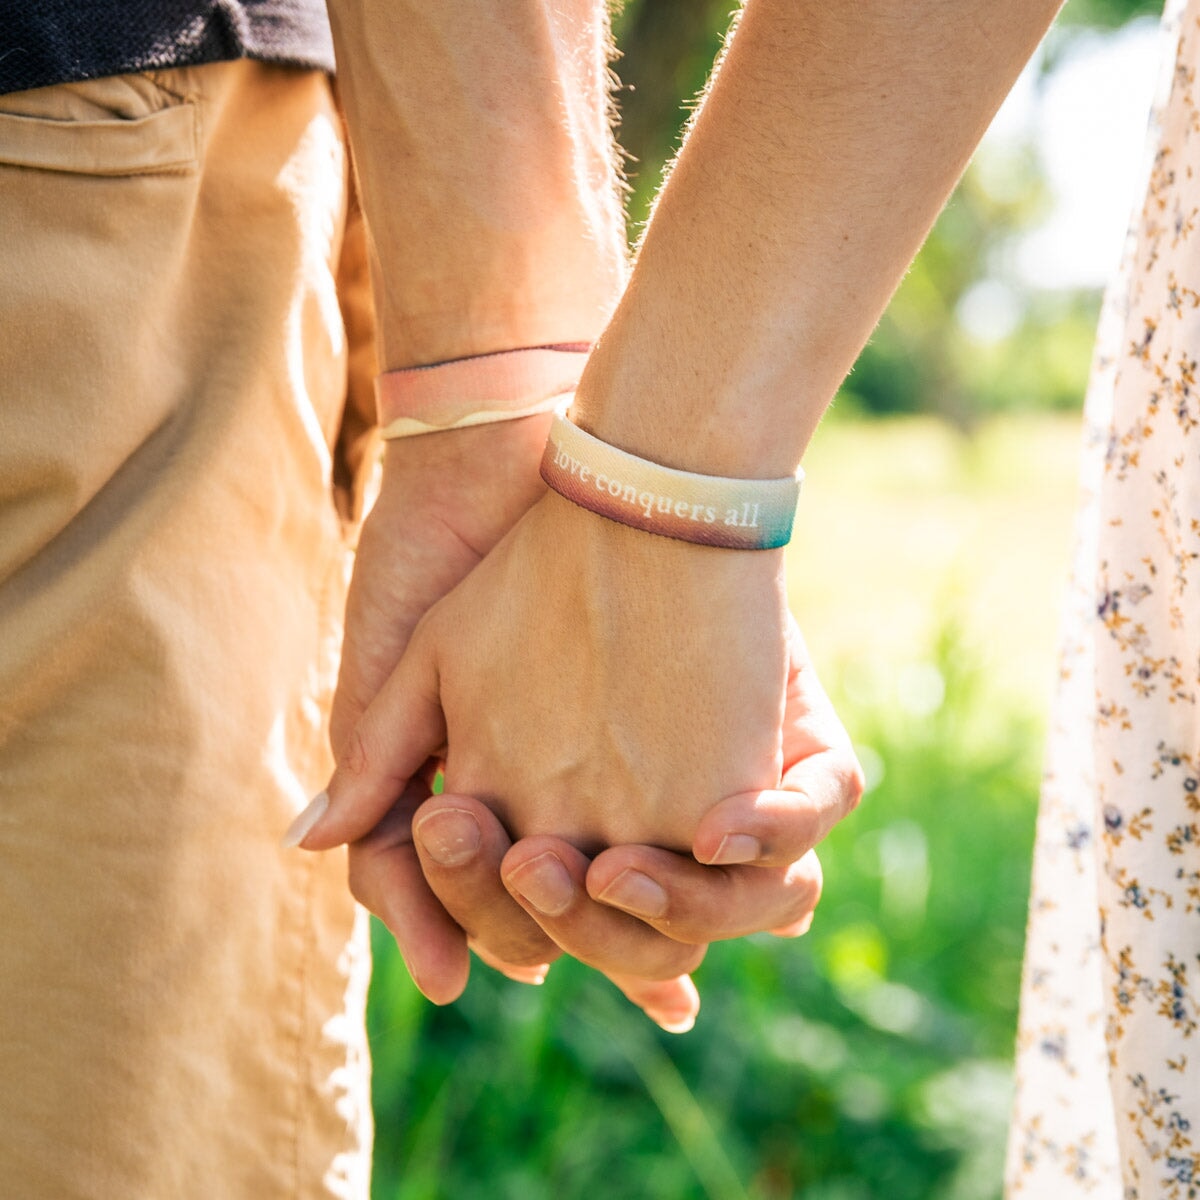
478,390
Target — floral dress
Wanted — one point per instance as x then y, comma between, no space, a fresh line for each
1108,1058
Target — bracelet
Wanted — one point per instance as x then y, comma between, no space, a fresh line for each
478,390
738,514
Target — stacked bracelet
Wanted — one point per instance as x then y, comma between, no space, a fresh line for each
478,390
738,514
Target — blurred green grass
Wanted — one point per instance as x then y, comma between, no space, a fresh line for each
870,1059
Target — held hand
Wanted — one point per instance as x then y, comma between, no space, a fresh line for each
568,664
445,500
596,683
764,877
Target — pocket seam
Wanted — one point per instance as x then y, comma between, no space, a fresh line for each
162,142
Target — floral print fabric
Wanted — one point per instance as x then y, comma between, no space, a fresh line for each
1108,1056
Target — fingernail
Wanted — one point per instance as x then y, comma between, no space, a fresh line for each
675,1024
306,822
545,883
637,894
736,848
450,836
534,976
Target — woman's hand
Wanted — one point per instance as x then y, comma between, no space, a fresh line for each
586,681
596,684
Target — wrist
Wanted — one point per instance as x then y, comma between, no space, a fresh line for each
481,389
680,423
692,382
477,480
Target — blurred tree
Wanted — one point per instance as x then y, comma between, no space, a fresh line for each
667,51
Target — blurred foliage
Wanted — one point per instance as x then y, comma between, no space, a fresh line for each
920,358
868,1059
1107,14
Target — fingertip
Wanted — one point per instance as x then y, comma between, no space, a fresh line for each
638,894
337,816
729,833
683,1024
449,835
672,1004
543,884
305,822
459,799
440,984
610,864
679,1017
769,828
534,846
431,945
735,849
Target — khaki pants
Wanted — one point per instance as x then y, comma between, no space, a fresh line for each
184,389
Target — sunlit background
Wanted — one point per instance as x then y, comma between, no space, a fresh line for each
872,1059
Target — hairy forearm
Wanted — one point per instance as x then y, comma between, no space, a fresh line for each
830,139
485,159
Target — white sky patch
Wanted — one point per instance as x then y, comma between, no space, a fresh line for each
1088,122
990,310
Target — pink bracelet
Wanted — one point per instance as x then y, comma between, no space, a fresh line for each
737,514
478,390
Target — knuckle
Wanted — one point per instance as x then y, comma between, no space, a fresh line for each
691,928
355,757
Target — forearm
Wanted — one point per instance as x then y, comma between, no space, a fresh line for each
485,159
831,137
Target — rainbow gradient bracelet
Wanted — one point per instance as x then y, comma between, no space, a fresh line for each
736,514
478,390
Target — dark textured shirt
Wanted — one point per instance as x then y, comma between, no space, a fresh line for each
43,42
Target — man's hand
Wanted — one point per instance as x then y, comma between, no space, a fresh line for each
445,500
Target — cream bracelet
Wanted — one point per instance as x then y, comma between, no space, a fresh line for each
738,514
478,390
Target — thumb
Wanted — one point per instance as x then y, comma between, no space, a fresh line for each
400,730
774,828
